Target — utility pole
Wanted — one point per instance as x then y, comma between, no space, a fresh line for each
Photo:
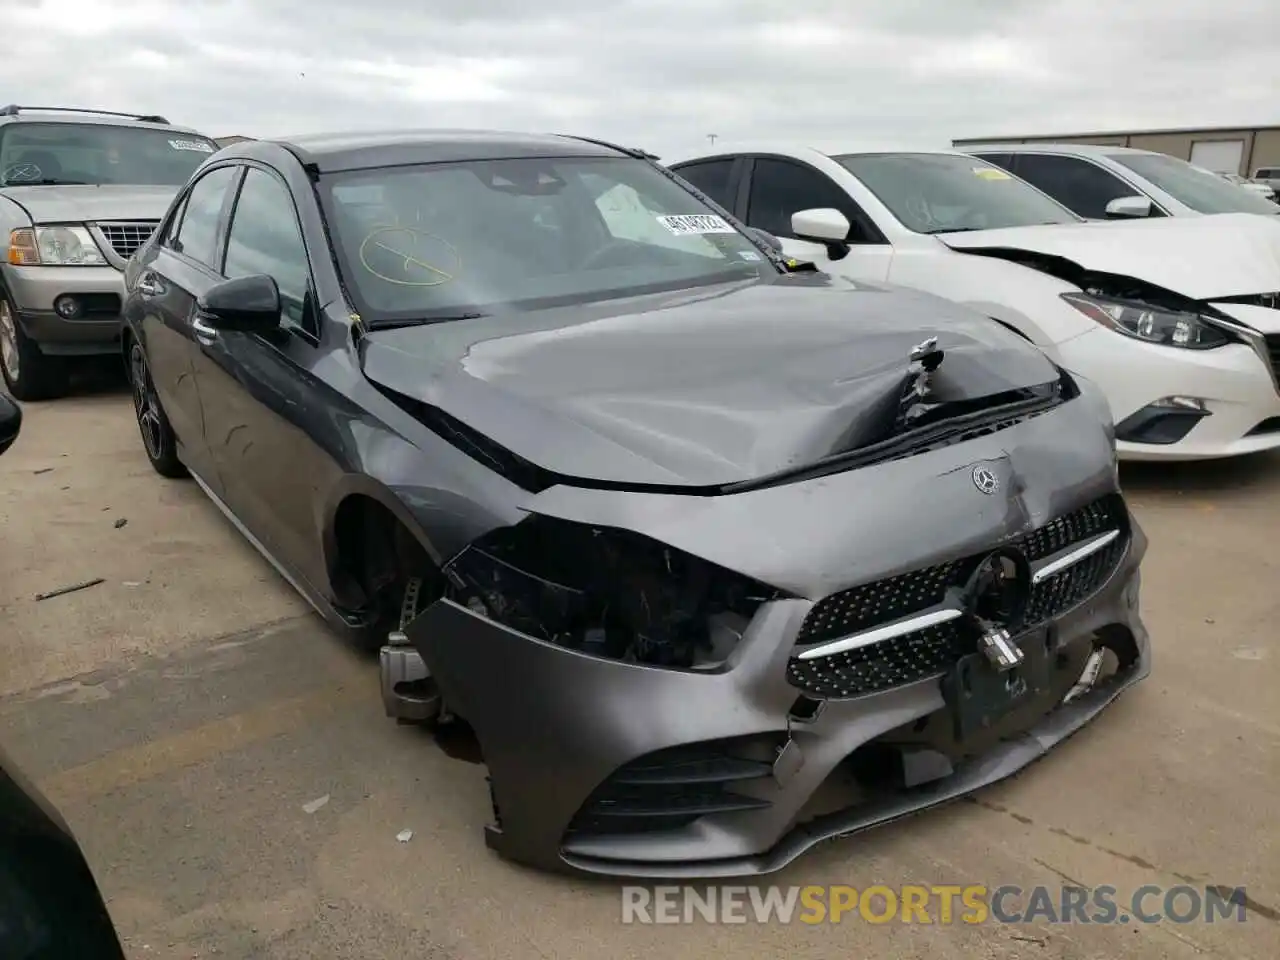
712,138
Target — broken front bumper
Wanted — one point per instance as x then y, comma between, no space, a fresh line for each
604,767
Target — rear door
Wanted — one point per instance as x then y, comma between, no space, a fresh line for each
179,269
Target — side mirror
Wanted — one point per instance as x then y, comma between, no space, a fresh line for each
820,225
10,422
767,238
1128,208
245,304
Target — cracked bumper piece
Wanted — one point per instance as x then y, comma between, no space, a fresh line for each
600,766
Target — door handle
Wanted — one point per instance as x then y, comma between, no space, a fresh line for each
148,285
204,333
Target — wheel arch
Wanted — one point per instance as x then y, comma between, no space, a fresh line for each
355,503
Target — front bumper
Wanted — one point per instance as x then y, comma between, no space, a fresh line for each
1235,386
99,292
557,727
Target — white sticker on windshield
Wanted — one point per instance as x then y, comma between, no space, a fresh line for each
695,224
196,145
748,255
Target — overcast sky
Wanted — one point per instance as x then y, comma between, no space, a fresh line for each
655,72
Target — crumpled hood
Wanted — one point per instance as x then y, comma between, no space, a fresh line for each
89,204
1220,255
699,388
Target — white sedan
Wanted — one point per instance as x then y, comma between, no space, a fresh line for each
1177,319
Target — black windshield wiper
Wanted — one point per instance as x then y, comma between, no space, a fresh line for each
46,182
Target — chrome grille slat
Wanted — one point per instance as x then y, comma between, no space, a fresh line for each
125,237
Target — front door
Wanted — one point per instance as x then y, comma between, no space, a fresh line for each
781,187
256,390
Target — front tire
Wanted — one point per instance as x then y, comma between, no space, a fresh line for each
29,373
158,438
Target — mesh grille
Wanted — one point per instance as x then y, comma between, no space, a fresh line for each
930,652
125,238
1273,349
881,666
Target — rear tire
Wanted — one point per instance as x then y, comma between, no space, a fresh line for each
29,373
158,439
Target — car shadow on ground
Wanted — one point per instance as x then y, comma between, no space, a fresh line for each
1241,474
101,376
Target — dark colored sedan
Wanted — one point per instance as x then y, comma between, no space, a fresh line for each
50,906
690,536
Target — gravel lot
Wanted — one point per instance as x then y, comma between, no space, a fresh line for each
189,713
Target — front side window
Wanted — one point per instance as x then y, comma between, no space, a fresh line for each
1077,184
264,238
1199,189
781,188
50,154
943,193
457,239
198,231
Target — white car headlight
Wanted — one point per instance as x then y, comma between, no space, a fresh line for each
54,247
1151,324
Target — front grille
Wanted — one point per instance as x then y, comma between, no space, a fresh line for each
670,789
930,652
1273,351
125,238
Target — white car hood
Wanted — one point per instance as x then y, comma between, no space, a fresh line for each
1221,255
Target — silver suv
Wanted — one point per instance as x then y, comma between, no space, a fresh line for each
80,190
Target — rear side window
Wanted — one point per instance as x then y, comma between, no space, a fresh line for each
1077,184
712,178
1267,173
198,233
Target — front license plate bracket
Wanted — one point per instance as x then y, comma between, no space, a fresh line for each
978,696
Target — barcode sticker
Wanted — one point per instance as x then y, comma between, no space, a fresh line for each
695,224
196,146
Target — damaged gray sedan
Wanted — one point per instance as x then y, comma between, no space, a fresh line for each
718,557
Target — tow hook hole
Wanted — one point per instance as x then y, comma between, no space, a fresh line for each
805,710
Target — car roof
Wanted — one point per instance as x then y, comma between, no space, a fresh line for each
1081,149
800,149
365,149
90,119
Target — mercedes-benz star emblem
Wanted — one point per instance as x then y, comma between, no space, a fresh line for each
985,479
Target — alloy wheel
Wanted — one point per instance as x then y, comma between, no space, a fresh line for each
146,403
9,341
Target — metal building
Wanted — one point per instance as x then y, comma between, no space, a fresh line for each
1240,150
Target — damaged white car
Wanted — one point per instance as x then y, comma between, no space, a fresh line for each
1178,320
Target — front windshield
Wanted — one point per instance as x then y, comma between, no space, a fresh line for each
945,193
1199,189
455,239
69,153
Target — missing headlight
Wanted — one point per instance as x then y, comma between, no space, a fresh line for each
606,592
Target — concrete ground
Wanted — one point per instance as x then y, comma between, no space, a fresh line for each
227,767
